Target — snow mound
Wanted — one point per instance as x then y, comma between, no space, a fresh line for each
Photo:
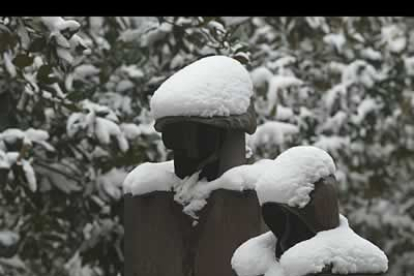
191,192
290,178
340,247
211,86
255,256
149,177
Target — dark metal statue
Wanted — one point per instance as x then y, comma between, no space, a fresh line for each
293,225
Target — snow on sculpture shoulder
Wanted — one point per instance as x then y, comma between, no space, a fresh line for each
211,86
255,256
149,177
291,177
341,247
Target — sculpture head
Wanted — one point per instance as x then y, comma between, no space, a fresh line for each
298,196
202,112
292,225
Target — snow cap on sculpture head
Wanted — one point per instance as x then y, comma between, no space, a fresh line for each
203,112
298,196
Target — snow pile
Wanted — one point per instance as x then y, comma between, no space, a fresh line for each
149,177
191,192
255,256
211,86
289,179
272,133
340,247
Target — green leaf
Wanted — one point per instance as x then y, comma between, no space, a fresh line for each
76,96
44,74
22,60
37,45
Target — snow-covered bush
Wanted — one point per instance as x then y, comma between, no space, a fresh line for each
75,118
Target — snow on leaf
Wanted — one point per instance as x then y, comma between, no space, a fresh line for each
30,174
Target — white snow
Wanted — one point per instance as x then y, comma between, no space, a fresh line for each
149,177
278,83
284,113
341,247
335,122
104,129
191,192
366,106
12,135
409,65
116,102
282,62
85,70
37,135
333,94
57,23
233,20
4,162
255,256
290,178
133,71
370,53
30,175
133,131
272,133
124,85
9,64
360,71
111,182
336,40
260,76
394,38
332,143
8,238
211,86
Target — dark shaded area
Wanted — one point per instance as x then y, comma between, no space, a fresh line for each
293,225
205,148
160,239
